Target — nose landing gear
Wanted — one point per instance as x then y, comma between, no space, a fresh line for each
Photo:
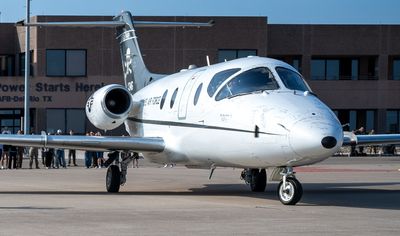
290,190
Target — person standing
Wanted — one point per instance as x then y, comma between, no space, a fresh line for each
13,158
72,153
93,154
60,155
49,156
88,156
20,153
33,155
135,160
100,155
6,151
360,131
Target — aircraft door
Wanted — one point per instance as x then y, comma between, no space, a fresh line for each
187,90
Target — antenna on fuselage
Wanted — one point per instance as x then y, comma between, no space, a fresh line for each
208,60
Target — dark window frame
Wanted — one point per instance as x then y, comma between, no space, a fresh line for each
65,63
237,51
360,114
341,68
13,69
289,59
21,63
391,68
397,119
65,125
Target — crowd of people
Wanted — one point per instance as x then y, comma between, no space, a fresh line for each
371,149
11,157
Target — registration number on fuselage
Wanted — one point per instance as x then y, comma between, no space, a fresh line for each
151,101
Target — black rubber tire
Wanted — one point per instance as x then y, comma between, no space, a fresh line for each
297,191
258,180
113,179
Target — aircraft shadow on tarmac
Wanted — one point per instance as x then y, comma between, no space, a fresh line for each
358,195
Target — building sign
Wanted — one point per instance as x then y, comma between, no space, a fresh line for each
64,94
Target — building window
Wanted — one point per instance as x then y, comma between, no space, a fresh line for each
62,63
393,121
334,69
354,119
65,119
395,69
10,120
22,64
7,65
230,54
294,61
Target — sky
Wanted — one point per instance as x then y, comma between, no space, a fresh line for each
277,11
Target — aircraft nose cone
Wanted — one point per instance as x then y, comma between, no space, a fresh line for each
315,139
329,142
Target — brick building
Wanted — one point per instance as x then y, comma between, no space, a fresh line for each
355,69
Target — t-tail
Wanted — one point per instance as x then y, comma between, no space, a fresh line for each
136,75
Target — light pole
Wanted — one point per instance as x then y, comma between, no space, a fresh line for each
27,70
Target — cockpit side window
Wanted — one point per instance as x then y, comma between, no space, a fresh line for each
254,80
219,79
291,79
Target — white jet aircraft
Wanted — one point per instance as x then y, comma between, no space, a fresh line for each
252,113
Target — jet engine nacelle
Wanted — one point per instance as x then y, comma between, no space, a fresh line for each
109,106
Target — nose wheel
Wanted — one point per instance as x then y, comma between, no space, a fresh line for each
290,190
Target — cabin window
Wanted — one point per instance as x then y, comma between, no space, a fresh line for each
197,94
164,96
291,79
171,104
255,80
219,79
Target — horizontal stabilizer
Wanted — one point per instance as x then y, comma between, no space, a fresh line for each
115,24
112,24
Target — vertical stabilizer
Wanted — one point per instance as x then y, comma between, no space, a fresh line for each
136,75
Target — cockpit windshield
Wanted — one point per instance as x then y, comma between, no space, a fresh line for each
291,79
253,80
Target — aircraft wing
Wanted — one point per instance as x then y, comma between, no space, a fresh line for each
94,143
375,139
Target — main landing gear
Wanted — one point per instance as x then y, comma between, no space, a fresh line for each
256,178
116,173
290,190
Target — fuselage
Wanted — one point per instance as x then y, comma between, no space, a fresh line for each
252,113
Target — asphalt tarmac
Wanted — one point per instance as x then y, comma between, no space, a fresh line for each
342,196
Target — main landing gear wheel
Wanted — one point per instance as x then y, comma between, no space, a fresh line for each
113,179
258,180
291,192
